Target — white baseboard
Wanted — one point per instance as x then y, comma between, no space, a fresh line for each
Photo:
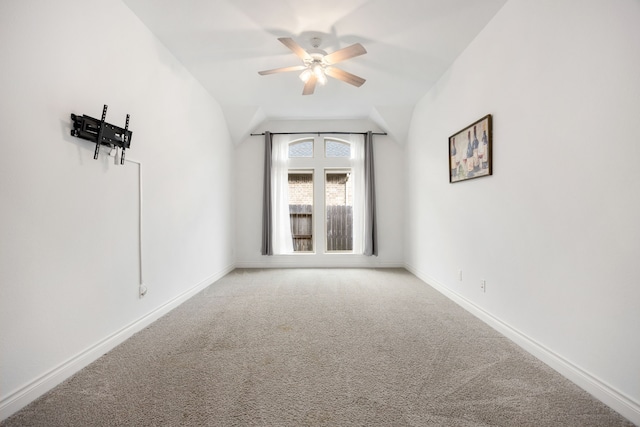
304,261
599,389
36,388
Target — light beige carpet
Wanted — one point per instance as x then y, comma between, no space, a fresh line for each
317,347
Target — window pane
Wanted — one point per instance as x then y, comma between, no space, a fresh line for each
339,203
334,148
302,148
301,210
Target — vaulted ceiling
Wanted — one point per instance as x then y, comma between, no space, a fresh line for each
224,43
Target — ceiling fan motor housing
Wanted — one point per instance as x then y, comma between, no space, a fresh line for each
317,57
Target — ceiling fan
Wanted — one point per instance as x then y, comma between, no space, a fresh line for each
318,64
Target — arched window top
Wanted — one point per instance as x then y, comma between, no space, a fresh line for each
334,147
301,148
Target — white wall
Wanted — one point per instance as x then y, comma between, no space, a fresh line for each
388,157
69,254
555,230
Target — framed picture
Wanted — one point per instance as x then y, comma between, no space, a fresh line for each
470,151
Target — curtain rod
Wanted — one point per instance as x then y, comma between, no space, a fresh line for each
320,133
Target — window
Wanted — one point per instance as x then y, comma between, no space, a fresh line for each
337,148
320,169
301,209
301,148
339,206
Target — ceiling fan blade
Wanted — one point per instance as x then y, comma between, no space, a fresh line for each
346,77
295,47
346,53
282,70
310,85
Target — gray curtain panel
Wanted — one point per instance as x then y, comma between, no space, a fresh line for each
267,227
370,221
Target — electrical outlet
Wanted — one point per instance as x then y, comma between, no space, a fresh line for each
483,285
460,275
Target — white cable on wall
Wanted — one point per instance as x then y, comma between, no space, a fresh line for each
116,154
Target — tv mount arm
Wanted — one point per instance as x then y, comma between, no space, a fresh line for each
102,133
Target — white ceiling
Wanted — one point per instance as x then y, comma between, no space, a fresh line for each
224,43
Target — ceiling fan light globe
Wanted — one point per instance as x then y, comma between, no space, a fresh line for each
304,76
317,70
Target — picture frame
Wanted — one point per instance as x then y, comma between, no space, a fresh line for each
470,151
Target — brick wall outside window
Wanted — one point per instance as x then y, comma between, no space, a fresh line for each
300,189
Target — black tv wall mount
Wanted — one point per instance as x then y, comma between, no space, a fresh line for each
102,133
